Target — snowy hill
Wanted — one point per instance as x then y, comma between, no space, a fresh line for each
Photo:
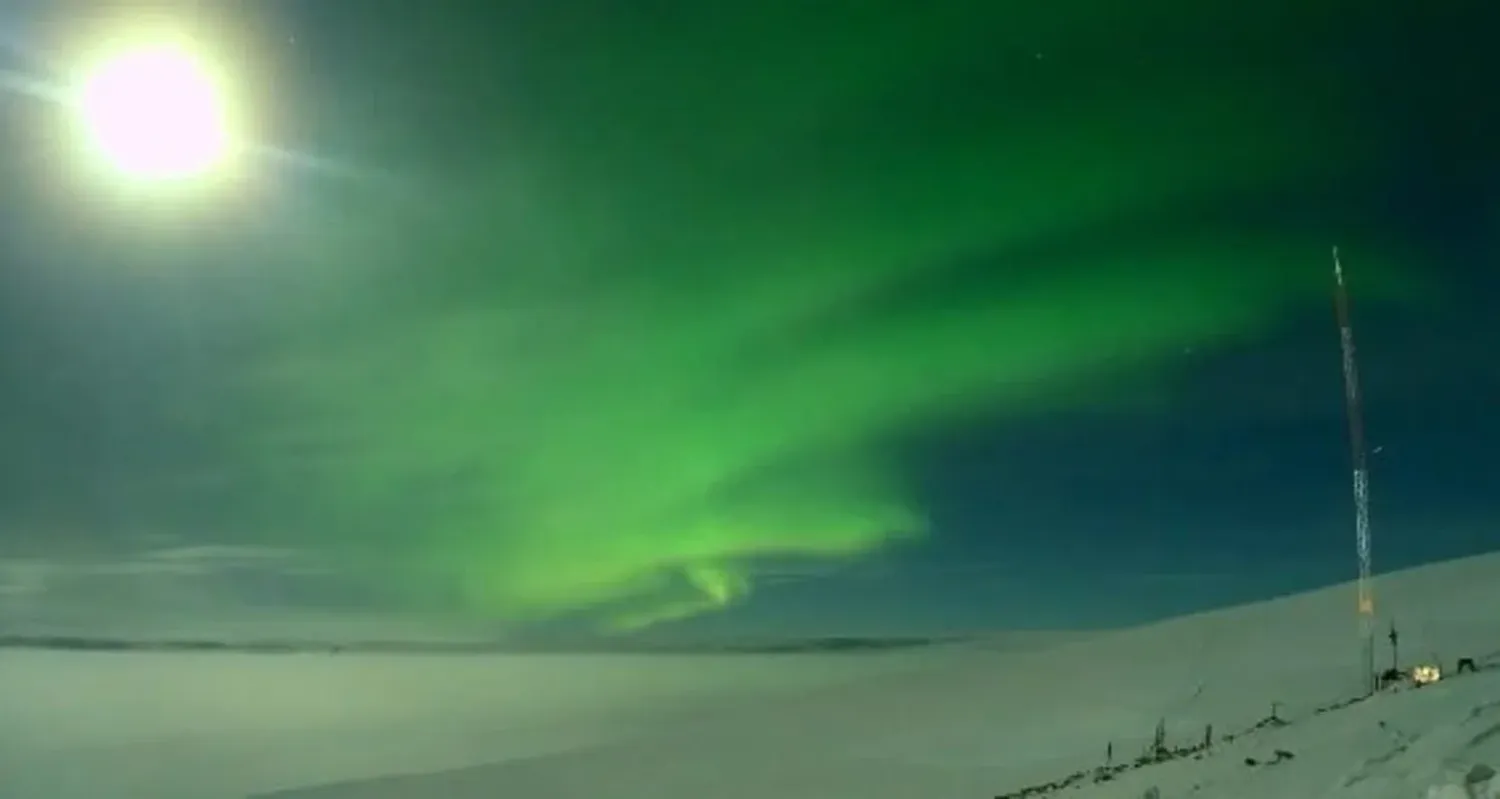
1394,746
959,721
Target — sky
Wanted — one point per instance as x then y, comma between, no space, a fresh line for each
750,318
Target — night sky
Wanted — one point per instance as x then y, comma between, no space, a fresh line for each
753,316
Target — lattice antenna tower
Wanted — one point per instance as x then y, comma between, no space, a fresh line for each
1361,474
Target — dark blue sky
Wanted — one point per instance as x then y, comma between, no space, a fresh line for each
669,167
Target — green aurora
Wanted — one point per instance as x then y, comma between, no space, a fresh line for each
685,282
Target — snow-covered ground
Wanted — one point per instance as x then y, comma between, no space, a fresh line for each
80,725
971,721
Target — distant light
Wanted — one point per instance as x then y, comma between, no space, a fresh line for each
155,114
1425,674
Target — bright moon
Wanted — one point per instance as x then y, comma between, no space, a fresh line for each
155,114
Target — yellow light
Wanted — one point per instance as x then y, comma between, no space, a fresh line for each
155,113
1422,675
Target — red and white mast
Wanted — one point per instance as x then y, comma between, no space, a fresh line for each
1360,465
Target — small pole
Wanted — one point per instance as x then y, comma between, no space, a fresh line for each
1395,639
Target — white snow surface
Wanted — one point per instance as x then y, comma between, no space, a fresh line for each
971,721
